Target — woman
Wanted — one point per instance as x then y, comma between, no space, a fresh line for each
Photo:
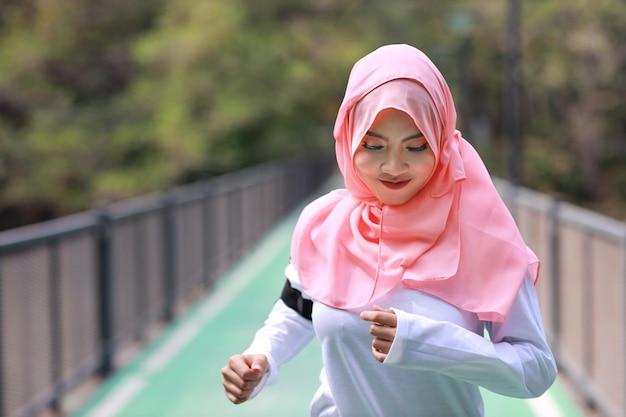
400,274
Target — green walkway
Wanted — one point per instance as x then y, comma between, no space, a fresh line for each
179,374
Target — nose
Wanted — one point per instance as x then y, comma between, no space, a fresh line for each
394,165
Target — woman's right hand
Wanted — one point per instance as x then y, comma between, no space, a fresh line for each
242,374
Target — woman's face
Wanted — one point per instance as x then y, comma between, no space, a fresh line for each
394,160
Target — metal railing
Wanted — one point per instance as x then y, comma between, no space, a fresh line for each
582,291
78,291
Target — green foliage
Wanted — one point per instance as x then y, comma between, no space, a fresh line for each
573,94
104,100
576,92
64,68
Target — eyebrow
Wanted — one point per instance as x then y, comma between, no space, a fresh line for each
379,136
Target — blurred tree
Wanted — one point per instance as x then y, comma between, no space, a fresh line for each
101,100
63,66
580,81
574,107
244,81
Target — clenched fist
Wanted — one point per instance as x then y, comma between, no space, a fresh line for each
242,374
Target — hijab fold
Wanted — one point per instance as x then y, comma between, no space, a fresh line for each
455,239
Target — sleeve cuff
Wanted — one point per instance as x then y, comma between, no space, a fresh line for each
396,352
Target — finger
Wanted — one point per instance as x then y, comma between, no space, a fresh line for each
230,375
236,382
259,364
234,392
383,332
252,376
238,397
388,318
257,368
384,318
248,368
381,346
242,374
371,315
379,356
237,389
239,365
233,398
381,319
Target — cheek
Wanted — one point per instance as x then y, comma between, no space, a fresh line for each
429,166
364,163
426,166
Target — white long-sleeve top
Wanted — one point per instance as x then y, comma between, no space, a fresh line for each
437,361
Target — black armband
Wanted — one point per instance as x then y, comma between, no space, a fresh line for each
294,300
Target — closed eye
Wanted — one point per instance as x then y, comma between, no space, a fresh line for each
372,147
418,148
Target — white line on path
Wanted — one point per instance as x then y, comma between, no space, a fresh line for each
234,282
175,342
118,399
545,406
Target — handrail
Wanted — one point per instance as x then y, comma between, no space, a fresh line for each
78,291
582,291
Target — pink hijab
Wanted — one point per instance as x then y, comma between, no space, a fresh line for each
455,239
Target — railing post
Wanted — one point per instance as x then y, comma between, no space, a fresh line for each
587,260
624,298
105,294
513,76
206,235
169,259
2,344
55,324
555,256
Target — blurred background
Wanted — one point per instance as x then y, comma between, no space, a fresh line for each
103,100
116,111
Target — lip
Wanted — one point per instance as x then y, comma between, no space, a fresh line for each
395,185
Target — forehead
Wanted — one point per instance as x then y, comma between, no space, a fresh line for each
393,119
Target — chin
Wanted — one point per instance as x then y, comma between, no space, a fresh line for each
394,201
399,203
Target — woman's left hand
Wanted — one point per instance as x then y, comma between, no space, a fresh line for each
383,329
